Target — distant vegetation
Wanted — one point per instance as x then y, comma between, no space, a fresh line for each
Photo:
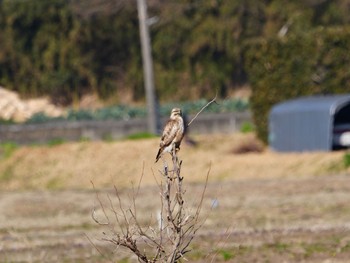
66,48
280,48
302,65
125,112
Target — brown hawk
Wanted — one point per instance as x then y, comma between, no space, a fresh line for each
173,133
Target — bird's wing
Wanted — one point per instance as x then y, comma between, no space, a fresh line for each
169,133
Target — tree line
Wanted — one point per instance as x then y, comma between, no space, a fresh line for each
67,48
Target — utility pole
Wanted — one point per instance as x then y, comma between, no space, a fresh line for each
152,105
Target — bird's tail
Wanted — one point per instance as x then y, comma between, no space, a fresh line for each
158,154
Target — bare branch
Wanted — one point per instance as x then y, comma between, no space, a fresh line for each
225,238
94,217
141,177
93,213
125,218
202,196
177,226
210,102
98,250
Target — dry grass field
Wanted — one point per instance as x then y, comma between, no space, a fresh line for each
270,207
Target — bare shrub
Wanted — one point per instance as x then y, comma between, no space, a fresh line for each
167,240
177,226
251,145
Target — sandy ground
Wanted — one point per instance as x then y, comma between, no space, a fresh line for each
75,165
254,220
269,207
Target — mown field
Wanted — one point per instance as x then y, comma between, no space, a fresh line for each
269,207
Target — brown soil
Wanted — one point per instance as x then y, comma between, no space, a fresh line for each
269,207
254,220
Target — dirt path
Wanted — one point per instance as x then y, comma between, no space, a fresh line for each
254,220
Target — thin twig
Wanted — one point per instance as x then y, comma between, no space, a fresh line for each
94,217
122,210
98,250
225,238
210,102
144,234
202,196
142,174
93,214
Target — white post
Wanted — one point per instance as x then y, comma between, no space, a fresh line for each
152,107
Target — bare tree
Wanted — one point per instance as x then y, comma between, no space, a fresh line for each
167,240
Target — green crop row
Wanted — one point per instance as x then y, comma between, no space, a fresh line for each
124,112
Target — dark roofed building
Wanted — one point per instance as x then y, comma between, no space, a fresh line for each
315,123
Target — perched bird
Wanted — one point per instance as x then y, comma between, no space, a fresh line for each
173,133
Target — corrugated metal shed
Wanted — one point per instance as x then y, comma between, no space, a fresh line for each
307,123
